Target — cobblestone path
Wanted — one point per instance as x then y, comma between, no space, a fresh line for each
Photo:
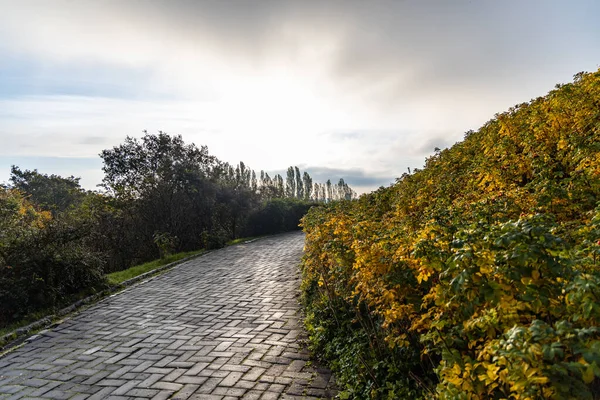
222,326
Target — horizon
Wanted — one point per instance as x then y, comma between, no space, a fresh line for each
361,92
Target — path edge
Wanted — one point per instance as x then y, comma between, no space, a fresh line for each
19,336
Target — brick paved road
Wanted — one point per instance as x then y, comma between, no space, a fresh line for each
222,326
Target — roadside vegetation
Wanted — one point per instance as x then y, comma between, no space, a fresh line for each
160,199
114,278
476,277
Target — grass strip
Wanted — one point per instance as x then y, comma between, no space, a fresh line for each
115,278
45,317
121,276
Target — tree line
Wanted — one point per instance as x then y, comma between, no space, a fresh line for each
159,195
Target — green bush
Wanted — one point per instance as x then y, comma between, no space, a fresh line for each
215,239
43,260
276,216
165,242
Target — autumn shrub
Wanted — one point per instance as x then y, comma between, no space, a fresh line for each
475,277
42,260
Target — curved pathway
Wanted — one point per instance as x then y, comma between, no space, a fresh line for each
221,326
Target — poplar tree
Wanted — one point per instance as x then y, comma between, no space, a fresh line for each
307,183
254,182
290,189
299,186
317,192
279,187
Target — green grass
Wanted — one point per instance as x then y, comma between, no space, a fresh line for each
113,279
241,240
121,276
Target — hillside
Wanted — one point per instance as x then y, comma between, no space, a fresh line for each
477,276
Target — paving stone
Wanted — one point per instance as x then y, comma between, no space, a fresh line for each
225,391
226,325
11,389
143,393
270,396
231,379
167,386
185,392
252,395
57,394
126,387
254,374
196,380
163,395
79,396
206,397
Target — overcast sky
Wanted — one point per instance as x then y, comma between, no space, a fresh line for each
355,90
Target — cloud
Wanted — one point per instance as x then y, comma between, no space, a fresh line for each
354,176
363,87
388,53
94,140
429,145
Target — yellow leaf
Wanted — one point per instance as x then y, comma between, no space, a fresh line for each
588,374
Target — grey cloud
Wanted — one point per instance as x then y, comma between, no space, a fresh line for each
430,144
358,178
386,52
353,176
94,140
405,142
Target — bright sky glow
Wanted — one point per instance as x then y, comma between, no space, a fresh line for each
353,90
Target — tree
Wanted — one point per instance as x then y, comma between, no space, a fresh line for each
316,191
51,192
167,186
344,191
279,187
243,176
308,186
290,189
136,167
299,186
254,182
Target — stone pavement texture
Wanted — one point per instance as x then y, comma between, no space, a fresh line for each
222,326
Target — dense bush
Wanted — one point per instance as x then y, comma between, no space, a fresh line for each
476,277
42,260
277,215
